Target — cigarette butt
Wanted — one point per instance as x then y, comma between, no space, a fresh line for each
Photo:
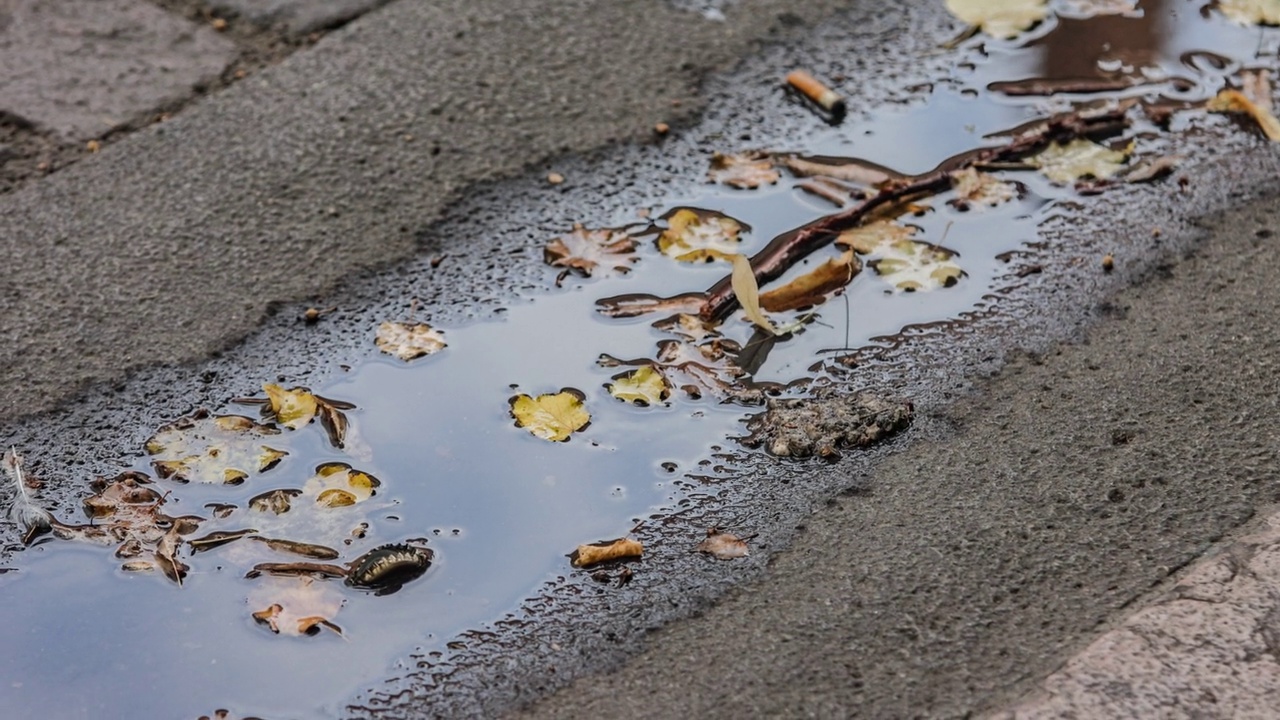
812,88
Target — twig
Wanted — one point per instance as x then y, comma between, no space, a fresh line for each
787,249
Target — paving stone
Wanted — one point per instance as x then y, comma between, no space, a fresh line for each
79,69
295,17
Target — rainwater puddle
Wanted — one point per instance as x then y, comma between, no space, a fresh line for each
500,508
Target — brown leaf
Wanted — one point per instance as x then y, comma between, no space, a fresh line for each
297,569
847,169
334,422
723,546
318,552
167,556
634,305
1234,101
595,553
812,287
407,341
582,251
746,170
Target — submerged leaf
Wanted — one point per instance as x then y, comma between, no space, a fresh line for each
635,305
643,385
1000,18
747,170
723,546
978,188
688,326
408,341
911,266
276,502
223,449
812,287
551,416
296,606
337,484
1094,8
595,553
1077,159
583,251
1234,101
700,236
1251,12
868,238
747,290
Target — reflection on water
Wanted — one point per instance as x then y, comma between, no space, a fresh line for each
499,507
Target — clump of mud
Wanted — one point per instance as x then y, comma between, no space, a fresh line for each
822,426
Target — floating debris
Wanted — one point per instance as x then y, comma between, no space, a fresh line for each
23,510
388,568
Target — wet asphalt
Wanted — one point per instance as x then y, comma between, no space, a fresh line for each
1065,461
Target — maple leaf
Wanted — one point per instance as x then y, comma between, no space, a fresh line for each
596,553
1234,101
583,251
223,449
723,546
1078,159
812,287
1003,19
700,236
551,416
644,386
981,189
1251,12
746,170
408,341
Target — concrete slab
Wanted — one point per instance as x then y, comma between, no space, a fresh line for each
79,70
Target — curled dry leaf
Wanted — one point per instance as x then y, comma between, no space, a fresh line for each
723,546
813,287
746,170
1078,159
747,291
1234,101
700,236
595,553
583,251
223,449
1251,12
981,189
551,416
408,341
337,484
644,386
1000,18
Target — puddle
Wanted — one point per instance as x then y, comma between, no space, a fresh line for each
501,508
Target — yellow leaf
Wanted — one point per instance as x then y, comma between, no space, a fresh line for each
699,236
551,416
747,290
1251,12
1077,159
334,497
337,484
221,449
747,170
292,408
812,287
408,341
645,385
1235,101
596,553
1000,18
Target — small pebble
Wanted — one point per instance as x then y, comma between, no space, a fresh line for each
662,128
555,178
93,146
219,24
1108,262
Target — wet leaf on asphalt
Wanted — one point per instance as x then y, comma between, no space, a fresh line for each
644,386
296,606
337,484
1234,101
980,189
222,449
408,341
1251,12
551,416
1078,159
1000,18
583,251
914,266
723,546
596,553
747,290
813,287
744,170
700,236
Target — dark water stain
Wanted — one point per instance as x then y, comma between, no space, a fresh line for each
500,508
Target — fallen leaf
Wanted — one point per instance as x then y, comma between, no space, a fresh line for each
812,287
637,304
595,553
408,341
334,422
296,606
1000,18
583,251
911,266
1078,159
551,416
1094,8
1256,85
337,484
747,290
297,569
851,170
1251,12
981,189
166,555
1153,168
218,539
1234,101
723,546
292,408
700,236
865,239
644,385
276,502
223,449
745,170
310,550
688,326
